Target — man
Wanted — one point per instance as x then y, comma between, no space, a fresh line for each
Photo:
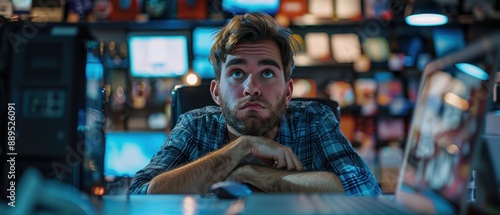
257,136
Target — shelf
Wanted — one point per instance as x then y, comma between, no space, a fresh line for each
302,60
351,109
398,21
173,24
303,21
382,111
309,20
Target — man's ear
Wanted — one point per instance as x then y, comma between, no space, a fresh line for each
289,90
214,90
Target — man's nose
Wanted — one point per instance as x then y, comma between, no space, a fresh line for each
252,86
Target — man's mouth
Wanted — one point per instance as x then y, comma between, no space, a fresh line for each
252,106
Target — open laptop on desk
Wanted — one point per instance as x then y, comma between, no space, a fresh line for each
445,131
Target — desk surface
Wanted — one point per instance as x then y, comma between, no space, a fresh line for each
260,204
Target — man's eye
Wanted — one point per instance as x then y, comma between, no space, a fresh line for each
237,74
267,74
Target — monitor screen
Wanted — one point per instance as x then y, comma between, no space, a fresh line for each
128,152
158,54
243,6
203,40
203,67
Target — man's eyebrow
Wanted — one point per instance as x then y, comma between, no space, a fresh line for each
269,62
235,61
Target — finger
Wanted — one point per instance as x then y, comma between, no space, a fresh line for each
268,162
290,165
296,161
291,159
298,164
282,161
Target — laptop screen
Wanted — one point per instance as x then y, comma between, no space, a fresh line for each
446,125
128,152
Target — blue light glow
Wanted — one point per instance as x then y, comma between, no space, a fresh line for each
243,6
473,71
128,152
426,19
158,56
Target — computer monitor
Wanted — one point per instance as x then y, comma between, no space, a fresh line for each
446,127
203,40
158,54
203,67
243,6
128,152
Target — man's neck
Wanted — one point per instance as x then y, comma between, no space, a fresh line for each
233,134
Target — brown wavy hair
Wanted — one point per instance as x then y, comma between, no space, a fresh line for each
253,26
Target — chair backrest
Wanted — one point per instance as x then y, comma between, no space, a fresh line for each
186,98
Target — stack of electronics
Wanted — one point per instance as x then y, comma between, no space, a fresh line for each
54,87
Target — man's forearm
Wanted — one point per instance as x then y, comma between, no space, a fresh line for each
275,180
196,177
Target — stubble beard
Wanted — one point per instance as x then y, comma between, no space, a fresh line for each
253,124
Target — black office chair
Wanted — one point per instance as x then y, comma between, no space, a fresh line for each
186,98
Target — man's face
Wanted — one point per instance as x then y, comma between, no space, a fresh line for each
252,91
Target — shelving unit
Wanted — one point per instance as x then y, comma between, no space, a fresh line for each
322,71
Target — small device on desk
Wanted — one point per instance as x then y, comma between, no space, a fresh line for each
38,195
230,190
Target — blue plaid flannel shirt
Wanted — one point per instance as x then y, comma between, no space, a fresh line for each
310,129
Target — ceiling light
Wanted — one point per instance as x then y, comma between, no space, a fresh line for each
425,13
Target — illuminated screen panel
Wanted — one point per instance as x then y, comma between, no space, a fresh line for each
158,55
128,152
243,6
202,66
203,40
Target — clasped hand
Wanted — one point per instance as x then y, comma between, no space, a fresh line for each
272,153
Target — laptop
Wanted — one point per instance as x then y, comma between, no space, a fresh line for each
446,130
444,142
